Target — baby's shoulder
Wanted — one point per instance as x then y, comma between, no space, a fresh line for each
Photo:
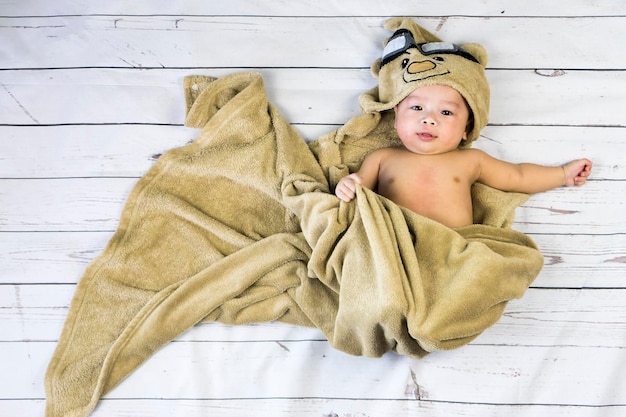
471,155
471,152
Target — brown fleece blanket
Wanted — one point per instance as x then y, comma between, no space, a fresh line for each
241,226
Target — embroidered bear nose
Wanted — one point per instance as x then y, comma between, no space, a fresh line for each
420,66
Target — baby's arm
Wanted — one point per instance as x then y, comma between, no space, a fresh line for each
531,178
366,176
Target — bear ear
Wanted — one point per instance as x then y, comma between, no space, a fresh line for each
375,68
419,33
477,52
394,23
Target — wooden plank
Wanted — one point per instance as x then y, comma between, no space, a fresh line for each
571,261
587,209
129,150
35,204
528,95
551,317
156,96
319,96
315,8
95,204
48,257
207,370
543,317
86,150
582,261
166,41
314,407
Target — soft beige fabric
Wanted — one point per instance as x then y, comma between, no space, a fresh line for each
241,226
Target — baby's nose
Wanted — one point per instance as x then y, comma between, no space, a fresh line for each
428,119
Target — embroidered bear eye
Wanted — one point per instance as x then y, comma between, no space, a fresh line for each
405,62
438,58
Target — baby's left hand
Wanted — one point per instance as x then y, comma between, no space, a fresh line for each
577,171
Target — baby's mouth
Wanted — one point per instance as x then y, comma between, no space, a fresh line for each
425,136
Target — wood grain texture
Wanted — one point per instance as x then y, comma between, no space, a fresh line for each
315,8
83,96
126,41
91,96
267,369
319,407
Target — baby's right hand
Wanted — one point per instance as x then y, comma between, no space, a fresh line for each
345,189
577,171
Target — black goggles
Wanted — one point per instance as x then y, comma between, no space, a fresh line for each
403,40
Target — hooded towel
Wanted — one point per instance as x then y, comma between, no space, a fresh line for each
241,226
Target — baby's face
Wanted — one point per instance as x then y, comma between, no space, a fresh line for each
432,120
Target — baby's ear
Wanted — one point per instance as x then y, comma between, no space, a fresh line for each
477,52
375,68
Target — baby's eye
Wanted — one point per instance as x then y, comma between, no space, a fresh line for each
416,107
446,112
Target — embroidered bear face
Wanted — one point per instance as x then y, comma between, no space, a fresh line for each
421,60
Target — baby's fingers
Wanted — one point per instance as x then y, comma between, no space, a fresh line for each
345,190
344,195
577,171
581,178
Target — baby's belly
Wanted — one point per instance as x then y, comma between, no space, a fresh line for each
452,212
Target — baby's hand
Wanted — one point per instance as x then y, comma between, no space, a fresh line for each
576,172
346,189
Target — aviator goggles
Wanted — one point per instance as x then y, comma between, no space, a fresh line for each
403,40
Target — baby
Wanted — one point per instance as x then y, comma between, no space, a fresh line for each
432,176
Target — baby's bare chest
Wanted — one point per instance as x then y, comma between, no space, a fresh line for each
439,192
428,174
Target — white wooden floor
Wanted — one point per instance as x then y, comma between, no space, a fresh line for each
91,94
